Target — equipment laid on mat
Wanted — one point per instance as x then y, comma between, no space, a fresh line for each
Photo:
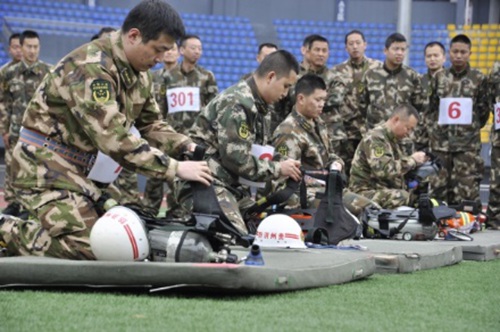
329,224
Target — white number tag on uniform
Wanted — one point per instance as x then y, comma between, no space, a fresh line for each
496,113
185,99
264,153
455,111
105,169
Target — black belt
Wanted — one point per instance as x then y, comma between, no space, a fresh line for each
71,154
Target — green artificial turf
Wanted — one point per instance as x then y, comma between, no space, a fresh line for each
463,297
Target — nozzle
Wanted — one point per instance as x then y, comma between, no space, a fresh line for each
255,256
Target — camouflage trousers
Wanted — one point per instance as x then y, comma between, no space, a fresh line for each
459,178
494,199
389,198
346,152
61,229
9,195
154,192
125,189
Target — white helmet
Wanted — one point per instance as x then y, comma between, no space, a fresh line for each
119,235
279,231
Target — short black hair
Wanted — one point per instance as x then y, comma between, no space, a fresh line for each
268,45
405,111
435,43
309,40
30,34
153,18
308,83
182,41
461,39
394,38
16,35
105,30
354,32
281,62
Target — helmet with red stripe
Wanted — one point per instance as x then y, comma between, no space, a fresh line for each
279,231
119,235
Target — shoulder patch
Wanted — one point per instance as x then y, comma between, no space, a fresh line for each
283,150
101,90
378,151
244,130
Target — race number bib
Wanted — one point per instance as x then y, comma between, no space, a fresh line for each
105,169
496,113
455,111
185,99
264,153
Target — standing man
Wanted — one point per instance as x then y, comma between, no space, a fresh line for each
349,75
264,50
379,164
234,123
188,87
16,55
154,189
494,103
20,82
458,110
315,51
435,57
387,86
184,91
89,103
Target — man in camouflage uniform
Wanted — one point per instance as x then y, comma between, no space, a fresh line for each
153,191
379,165
234,122
494,103
392,84
187,74
435,57
88,103
16,55
179,87
304,136
20,82
315,51
455,124
349,75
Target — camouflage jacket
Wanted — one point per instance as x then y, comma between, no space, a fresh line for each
379,162
21,81
299,139
470,83
349,76
228,126
382,90
177,78
428,82
330,114
89,101
4,116
494,97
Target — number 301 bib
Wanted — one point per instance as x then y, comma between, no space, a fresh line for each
185,99
455,111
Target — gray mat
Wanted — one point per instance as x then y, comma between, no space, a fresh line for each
284,270
394,256
484,247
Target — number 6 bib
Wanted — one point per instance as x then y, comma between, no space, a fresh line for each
455,111
185,99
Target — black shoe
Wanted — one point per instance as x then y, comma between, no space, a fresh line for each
12,209
24,215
